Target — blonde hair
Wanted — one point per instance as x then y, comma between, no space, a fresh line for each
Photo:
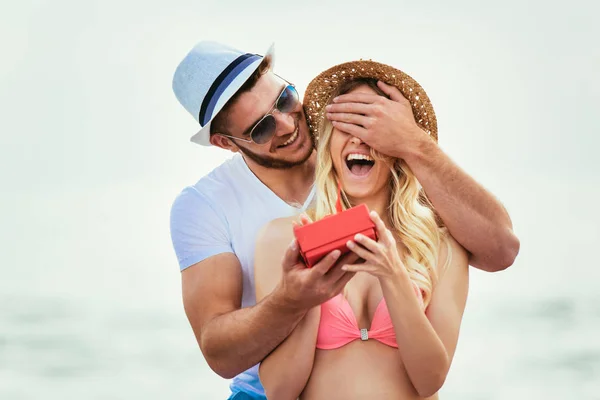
412,219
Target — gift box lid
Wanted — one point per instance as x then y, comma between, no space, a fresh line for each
333,227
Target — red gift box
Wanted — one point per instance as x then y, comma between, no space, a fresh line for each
319,238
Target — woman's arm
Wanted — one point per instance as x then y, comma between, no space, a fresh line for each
427,341
285,371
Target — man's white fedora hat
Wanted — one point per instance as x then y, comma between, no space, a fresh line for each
209,75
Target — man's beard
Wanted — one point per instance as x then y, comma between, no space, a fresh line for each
271,162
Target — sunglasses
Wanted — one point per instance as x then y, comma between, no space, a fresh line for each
264,130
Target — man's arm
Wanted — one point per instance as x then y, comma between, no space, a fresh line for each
474,217
231,338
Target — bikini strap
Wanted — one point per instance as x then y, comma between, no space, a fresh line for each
338,203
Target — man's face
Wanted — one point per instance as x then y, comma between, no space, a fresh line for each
291,144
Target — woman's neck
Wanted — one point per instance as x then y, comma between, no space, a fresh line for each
379,203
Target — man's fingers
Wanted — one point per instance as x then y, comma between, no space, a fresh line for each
336,271
355,108
341,283
327,262
349,118
334,274
364,98
391,91
290,258
351,129
349,258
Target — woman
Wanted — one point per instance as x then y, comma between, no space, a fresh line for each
393,331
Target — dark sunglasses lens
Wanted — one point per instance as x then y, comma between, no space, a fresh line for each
264,130
288,101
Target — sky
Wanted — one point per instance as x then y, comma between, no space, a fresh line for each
94,146
86,93
88,110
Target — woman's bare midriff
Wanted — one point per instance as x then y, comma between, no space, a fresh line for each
359,370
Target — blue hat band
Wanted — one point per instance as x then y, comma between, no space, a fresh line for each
221,83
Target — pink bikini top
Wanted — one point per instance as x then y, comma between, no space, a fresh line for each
338,325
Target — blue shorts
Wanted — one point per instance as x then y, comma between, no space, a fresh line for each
245,396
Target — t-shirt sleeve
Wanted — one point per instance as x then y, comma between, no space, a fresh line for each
198,229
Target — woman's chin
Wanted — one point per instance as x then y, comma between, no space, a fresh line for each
358,187
358,193
365,189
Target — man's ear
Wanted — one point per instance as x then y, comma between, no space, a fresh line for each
223,142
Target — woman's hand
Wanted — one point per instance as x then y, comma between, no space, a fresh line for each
382,258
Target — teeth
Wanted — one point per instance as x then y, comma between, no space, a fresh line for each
358,157
290,140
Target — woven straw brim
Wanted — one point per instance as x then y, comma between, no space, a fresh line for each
319,91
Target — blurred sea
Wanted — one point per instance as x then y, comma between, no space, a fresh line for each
90,306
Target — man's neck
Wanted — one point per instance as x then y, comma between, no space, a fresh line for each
292,185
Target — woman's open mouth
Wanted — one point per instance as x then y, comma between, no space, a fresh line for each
359,164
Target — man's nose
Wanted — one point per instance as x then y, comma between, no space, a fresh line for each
285,123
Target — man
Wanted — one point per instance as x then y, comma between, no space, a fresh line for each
243,107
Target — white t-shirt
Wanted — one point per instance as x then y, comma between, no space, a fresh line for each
222,213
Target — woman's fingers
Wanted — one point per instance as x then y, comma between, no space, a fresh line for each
383,233
360,251
364,267
367,243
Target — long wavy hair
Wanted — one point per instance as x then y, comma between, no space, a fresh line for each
412,218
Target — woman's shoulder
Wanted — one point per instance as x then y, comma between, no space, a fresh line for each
276,233
276,229
271,244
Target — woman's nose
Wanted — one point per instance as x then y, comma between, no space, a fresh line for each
355,140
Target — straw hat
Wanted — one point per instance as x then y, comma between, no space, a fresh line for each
320,89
